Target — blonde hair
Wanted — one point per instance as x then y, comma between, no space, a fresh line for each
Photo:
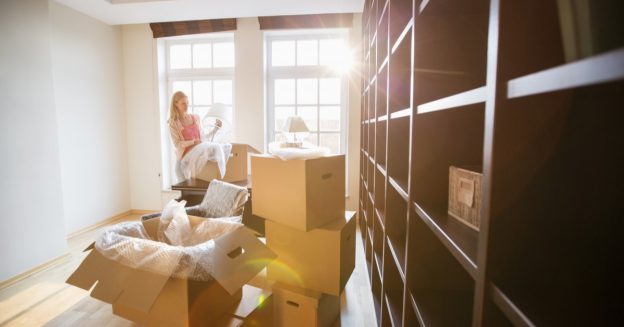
173,110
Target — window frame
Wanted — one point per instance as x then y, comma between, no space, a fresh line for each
301,72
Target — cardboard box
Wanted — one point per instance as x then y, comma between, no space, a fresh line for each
303,194
254,309
464,202
294,306
321,259
157,300
235,169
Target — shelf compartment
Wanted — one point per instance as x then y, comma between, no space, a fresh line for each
411,315
380,143
378,241
454,101
460,240
382,93
399,150
556,205
382,37
401,113
370,214
396,225
603,68
380,191
442,139
376,287
400,75
371,140
368,255
401,14
393,290
454,60
438,283
540,35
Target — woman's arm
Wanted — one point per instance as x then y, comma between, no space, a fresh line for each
209,136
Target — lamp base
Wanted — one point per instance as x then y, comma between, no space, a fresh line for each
291,145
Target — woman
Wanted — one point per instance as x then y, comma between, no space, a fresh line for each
185,128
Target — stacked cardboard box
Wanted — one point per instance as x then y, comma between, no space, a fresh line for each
303,202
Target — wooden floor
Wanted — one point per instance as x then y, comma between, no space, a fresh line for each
43,299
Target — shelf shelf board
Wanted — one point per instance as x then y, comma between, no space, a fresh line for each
509,308
407,112
382,169
380,218
395,258
399,187
444,307
371,159
454,101
416,309
382,118
377,262
422,6
598,69
370,198
402,35
395,313
458,238
383,65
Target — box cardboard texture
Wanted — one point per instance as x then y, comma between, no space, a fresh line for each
321,259
157,300
294,306
302,194
235,169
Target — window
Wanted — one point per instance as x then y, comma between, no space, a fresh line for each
305,77
203,68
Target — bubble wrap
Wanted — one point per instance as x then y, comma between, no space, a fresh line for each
222,200
180,251
202,153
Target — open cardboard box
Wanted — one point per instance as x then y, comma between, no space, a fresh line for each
295,306
321,259
157,300
300,193
235,169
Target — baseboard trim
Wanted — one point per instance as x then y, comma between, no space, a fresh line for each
6,283
141,211
99,224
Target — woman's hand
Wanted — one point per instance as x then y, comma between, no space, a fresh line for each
218,123
196,141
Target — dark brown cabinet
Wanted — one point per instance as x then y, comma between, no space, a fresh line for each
532,92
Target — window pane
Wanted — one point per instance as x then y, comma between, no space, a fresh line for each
184,86
307,91
283,53
202,55
307,52
223,54
331,141
309,115
330,118
329,90
180,56
331,51
202,92
312,138
281,113
284,91
223,91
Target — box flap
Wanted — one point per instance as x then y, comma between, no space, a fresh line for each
253,298
86,274
90,247
239,256
141,288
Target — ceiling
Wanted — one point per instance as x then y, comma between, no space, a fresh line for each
115,12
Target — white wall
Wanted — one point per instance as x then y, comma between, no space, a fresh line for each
355,95
142,105
88,89
32,227
141,102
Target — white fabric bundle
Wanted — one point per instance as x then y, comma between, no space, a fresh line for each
201,154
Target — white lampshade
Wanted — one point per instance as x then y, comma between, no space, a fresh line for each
219,110
295,124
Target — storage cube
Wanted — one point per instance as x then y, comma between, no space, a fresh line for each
294,306
321,259
464,202
302,194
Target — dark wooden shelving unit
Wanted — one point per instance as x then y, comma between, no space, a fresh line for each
528,93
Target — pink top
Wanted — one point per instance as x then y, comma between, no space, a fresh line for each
190,133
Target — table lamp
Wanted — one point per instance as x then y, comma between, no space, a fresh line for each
294,125
217,111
